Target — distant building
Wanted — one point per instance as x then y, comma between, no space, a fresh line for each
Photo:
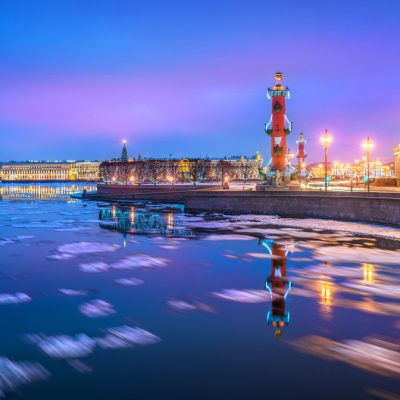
50,171
183,170
397,161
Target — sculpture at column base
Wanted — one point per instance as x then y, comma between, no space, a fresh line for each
274,179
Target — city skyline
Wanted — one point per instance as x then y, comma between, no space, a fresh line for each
78,78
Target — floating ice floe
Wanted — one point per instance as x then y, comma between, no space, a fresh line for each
94,267
357,255
39,224
229,237
243,296
169,247
262,255
18,297
64,346
72,292
378,289
96,308
60,256
140,261
318,225
181,306
129,281
16,373
126,336
4,241
86,247
374,355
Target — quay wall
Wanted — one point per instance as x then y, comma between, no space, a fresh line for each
372,208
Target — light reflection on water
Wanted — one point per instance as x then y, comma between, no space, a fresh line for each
139,301
41,191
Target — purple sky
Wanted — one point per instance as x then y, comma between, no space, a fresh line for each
76,77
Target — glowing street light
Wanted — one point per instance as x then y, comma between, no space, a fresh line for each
226,182
326,140
367,147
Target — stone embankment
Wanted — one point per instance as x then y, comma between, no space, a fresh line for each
357,206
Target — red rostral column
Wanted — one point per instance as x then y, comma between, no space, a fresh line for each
279,126
301,151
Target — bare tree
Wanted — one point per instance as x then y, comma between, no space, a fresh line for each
154,170
197,170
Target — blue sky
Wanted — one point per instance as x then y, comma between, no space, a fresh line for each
190,77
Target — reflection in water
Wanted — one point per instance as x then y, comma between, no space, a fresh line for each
368,273
134,222
326,292
278,285
41,191
326,299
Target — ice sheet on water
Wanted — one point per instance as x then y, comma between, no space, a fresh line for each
72,229
129,281
262,255
247,222
140,261
60,256
64,346
73,292
357,255
229,237
182,305
378,289
243,296
87,247
126,336
4,241
96,308
16,373
94,267
378,356
39,224
18,297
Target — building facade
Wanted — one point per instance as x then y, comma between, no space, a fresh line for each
50,171
397,161
184,170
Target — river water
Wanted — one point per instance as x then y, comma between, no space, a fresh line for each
144,301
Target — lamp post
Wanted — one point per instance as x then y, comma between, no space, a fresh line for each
326,140
367,146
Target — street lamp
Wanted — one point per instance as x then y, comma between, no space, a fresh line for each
326,140
367,146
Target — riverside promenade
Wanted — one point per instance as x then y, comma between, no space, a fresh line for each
374,207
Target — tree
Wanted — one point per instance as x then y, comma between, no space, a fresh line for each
197,170
154,170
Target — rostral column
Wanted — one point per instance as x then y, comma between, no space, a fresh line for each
279,126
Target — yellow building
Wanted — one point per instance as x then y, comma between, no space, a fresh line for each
50,171
397,161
